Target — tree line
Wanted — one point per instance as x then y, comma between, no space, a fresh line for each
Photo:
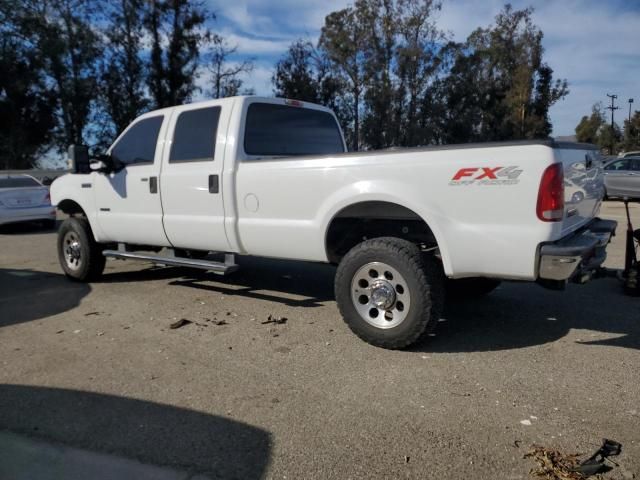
79,71
396,79
597,129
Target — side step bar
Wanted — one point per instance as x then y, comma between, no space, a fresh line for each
229,265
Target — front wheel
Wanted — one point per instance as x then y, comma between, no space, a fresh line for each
79,254
389,294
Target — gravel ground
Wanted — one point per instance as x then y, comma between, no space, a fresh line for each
97,367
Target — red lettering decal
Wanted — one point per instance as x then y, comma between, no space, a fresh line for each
464,172
489,173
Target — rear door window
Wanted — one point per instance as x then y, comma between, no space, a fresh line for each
280,130
635,164
194,139
138,145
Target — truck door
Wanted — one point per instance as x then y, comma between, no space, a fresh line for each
128,201
191,182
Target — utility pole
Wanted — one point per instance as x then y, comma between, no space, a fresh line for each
612,108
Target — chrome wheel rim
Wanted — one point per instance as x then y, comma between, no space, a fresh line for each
380,295
72,250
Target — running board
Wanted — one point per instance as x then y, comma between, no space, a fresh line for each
216,267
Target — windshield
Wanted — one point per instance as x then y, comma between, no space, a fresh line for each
18,182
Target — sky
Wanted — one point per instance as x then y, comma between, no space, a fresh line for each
594,44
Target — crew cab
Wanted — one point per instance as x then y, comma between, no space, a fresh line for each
272,177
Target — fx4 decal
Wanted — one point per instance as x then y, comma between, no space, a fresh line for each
486,176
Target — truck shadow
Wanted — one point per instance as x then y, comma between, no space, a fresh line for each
520,315
27,295
28,228
295,284
516,315
146,431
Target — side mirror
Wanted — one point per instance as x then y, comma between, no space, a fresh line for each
106,164
98,166
79,159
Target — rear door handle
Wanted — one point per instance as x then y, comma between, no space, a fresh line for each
214,184
153,184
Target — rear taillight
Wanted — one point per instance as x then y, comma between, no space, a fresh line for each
550,206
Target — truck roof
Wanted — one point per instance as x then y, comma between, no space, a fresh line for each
243,98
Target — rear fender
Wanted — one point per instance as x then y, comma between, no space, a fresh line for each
366,191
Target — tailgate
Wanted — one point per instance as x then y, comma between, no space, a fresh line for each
583,184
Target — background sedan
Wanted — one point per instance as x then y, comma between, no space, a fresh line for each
622,178
24,199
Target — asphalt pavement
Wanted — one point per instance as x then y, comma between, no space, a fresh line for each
93,373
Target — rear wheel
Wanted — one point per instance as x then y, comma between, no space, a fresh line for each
388,293
470,287
79,254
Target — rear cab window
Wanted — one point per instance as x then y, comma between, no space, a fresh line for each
274,130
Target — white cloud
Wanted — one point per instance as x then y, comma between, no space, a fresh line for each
461,17
256,46
265,17
592,44
595,47
242,13
259,79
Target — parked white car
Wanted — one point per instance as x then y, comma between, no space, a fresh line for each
271,177
25,199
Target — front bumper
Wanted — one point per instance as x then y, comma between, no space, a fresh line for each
577,256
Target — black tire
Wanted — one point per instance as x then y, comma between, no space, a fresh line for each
424,281
470,287
90,261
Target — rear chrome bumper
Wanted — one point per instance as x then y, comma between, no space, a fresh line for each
577,256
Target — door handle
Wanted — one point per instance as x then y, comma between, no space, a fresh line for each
153,184
214,184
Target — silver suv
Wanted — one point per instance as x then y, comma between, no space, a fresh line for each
622,177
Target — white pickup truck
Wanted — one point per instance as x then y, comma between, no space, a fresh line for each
271,177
